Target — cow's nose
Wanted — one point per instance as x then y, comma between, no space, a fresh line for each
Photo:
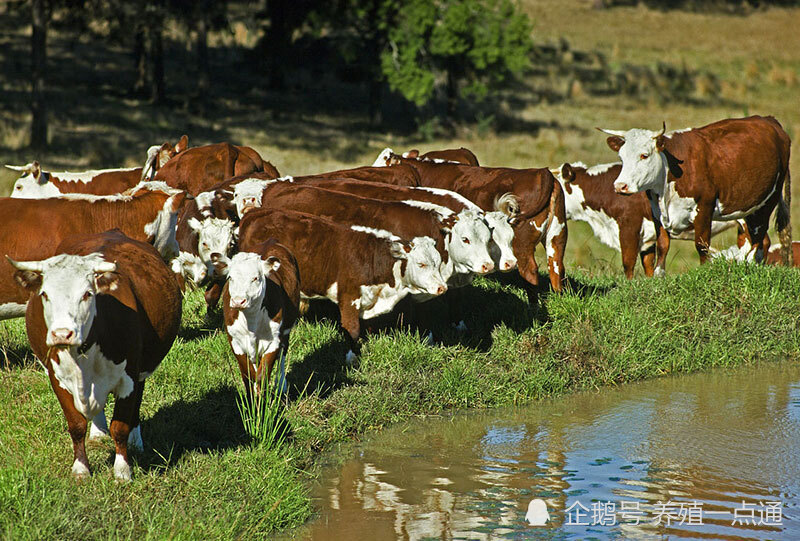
62,337
621,188
238,302
441,290
216,256
487,267
508,265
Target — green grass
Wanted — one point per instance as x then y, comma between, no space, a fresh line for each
202,472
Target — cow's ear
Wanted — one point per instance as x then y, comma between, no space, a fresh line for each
615,142
182,145
195,224
106,282
567,173
399,249
29,280
660,140
271,264
413,153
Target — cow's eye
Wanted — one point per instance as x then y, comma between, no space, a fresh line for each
644,156
422,265
19,187
255,279
43,295
87,296
465,240
205,245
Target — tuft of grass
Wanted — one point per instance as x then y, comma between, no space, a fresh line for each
261,414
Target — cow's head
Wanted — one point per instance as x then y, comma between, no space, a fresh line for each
386,158
643,165
216,239
158,156
423,265
470,238
33,183
247,195
67,286
502,237
190,267
247,276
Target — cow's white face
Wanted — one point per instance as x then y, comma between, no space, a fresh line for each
247,195
643,166
423,266
215,241
502,237
191,267
67,286
383,158
33,183
469,244
247,276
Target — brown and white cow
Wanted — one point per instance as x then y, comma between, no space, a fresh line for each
35,227
38,184
462,239
500,246
774,256
622,222
260,303
102,315
198,169
364,270
541,216
454,155
728,170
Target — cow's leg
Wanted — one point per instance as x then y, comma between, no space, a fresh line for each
702,231
555,247
283,352
526,238
629,239
76,426
352,327
126,419
212,295
249,373
265,369
99,427
648,258
662,248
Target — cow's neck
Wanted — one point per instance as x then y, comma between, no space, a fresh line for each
674,212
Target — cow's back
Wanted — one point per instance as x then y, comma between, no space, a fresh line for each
104,183
198,169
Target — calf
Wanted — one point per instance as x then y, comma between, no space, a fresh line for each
35,227
102,315
260,303
197,169
728,170
364,270
540,213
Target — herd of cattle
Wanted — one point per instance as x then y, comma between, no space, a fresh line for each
97,260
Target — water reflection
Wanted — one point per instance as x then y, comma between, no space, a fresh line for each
704,443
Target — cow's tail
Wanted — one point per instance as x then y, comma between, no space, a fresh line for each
508,204
783,220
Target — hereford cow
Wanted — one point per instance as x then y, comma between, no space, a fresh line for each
452,155
366,271
540,214
502,233
102,315
197,169
261,305
774,256
728,170
463,239
35,227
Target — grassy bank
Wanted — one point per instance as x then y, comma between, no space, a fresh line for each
201,474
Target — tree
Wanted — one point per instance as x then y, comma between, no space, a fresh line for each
473,46
39,59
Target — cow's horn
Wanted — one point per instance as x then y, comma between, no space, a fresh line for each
35,266
618,133
663,130
20,168
105,266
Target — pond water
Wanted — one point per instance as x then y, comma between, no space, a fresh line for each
714,456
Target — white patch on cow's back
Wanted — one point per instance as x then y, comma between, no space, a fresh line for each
674,132
89,377
430,207
9,310
455,195
86,176
380,233
600,168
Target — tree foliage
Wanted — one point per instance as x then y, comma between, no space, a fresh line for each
469,45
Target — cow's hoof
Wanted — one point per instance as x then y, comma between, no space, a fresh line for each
122,471
80,471
659,272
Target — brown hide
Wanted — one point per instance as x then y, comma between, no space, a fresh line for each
198,169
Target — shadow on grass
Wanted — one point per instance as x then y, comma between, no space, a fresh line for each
16,356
